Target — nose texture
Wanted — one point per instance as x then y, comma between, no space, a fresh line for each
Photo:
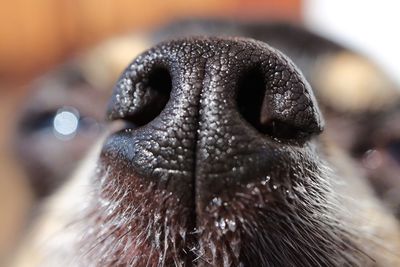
210,115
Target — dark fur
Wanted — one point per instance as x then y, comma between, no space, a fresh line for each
294,222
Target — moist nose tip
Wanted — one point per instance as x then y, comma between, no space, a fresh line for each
207,114
260,84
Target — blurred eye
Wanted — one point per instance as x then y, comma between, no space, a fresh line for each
393,148
63,123
372,159
38,122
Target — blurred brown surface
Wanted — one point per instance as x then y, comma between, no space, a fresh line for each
37,34
15,199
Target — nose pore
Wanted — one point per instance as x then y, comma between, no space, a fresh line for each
214,109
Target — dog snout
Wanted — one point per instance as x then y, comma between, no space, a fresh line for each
207,115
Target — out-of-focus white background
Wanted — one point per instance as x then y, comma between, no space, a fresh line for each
369,26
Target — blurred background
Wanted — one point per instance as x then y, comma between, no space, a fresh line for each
37,35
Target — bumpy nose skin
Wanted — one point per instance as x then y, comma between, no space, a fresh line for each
199,134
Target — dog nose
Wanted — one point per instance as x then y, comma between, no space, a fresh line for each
206,115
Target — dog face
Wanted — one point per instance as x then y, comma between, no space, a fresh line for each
215,157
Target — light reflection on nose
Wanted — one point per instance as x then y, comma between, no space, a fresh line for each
65,123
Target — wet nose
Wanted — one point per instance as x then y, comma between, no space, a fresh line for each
207,115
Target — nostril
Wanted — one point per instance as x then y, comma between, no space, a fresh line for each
252,105
152,94
160,81
158,88
284,131
250,96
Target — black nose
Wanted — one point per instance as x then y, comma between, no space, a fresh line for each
207,115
